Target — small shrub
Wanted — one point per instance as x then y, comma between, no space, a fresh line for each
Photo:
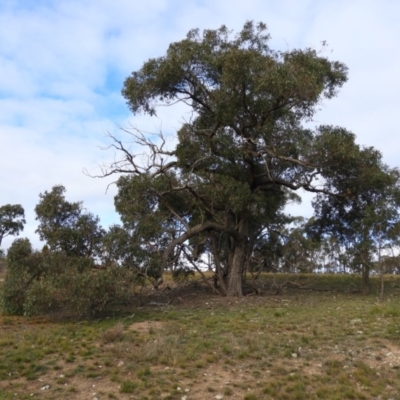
182,274
20,273
51,282
250,396
143,373
128,387
228,391
114,334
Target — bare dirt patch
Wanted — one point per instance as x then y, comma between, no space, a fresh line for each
384,354
218,380
146,326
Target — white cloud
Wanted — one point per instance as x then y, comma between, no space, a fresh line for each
364,35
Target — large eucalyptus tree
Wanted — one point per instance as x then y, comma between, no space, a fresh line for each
242,154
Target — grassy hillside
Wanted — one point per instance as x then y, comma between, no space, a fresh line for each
307,343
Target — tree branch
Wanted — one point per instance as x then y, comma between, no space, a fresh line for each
208,226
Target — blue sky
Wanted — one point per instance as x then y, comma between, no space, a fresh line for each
63,62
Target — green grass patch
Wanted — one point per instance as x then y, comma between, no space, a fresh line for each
303,344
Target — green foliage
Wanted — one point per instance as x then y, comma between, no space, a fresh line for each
213,63
21,263
63,277
128,387
149,225
2,260
66,227
12,220
182,274
365,219
241,156
298,253
49,282
78,292
128,249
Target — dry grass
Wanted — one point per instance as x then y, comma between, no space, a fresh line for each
113,334
305,344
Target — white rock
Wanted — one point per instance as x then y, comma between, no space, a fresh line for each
46,387
219,396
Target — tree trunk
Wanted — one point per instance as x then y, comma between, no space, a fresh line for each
382,289
365,277
218,270
235,277
235,287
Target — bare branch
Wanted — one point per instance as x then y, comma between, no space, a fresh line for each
189,258
208,226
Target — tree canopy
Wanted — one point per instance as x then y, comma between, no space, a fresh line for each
368,217
243,153
12,220
66,227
